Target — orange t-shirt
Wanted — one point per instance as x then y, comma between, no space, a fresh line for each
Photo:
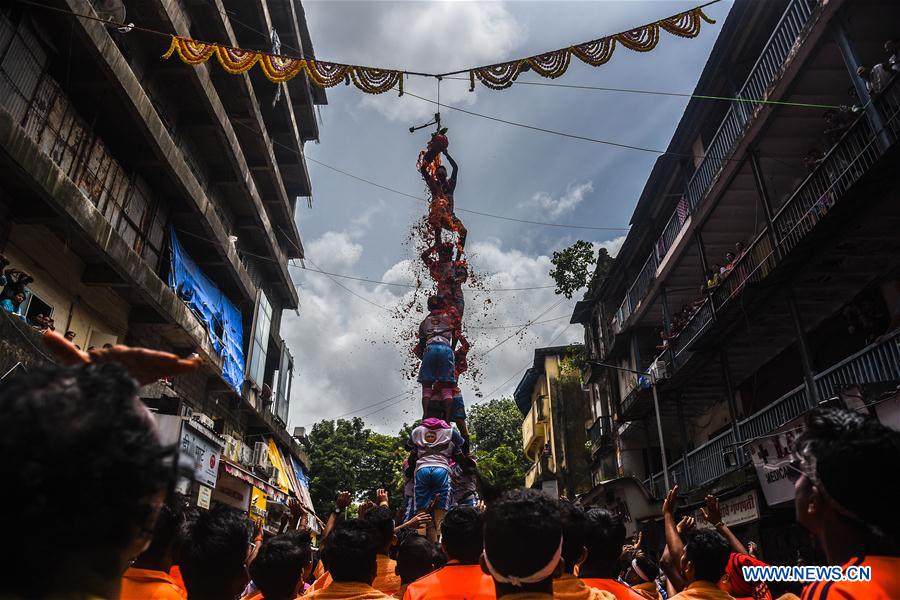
885,583
386,579
147,584
569,587
454,581
618,589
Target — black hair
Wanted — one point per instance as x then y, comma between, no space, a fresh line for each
213,556
88,462
709,552
647,565
438,556
435,302
382,521
574,524
836,442
167,536
278,567
462,535
350,552
436,408
415,558
605,537
522,532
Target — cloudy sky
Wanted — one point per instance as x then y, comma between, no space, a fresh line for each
351,339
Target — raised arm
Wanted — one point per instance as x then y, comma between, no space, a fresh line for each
712,514
453,165
673,540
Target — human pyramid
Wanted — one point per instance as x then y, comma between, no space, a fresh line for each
439,471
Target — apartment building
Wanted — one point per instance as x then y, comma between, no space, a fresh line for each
761,274
153,203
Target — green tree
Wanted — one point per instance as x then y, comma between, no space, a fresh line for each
381,465
496,424
496,429
573,268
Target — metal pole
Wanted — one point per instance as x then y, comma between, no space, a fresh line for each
662,443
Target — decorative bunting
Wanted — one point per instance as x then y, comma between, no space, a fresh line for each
373,80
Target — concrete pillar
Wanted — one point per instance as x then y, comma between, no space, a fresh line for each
682,434
812,392
852,62
730,391
766,200
698,237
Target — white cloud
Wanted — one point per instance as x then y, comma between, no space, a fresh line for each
555,207
612,246
350,355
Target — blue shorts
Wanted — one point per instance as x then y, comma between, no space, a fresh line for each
431,481
408,512
458,411
437,364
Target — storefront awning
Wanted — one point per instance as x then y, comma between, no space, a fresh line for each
244,475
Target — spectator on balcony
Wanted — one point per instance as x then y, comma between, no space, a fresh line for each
813,159
40,322
853,518
892,48
4,262
712,278
16,282
12,304
663,344
70,336
876,78
739,250
729,264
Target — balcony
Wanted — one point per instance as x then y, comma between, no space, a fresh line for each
541,469
600,435
878,363
533,430
846,163
766,72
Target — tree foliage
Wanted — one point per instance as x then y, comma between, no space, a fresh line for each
572,270
345,455
496,429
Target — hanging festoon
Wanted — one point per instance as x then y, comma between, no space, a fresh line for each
376,80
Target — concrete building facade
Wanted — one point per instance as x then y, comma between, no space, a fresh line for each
761,274
108,152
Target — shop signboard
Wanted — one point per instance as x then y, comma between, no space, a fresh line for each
771,456
205,453
737,510
258,505
232,491
203,496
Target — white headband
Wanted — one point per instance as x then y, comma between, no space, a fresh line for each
540,575
638,570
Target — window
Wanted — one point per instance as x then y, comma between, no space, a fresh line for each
259,343
283,393
34,306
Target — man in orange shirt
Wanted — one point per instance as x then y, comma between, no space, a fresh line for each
381,519
523,545
604,541
70,432
462,578
567,586
415,559
350,556
148,577
847,499
703,563
215,554
282,565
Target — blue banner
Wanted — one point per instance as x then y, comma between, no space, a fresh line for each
220,317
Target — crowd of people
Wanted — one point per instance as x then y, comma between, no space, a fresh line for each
716,276
878,75
15,286
97,517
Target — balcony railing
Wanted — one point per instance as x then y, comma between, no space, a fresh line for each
599,434
877,363
846,162
757,86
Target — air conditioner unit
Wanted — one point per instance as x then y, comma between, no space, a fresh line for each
273,478
203,420
260,455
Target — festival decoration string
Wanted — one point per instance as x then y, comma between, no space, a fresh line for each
280,68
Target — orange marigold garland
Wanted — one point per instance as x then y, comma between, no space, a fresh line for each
500,76
235,60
